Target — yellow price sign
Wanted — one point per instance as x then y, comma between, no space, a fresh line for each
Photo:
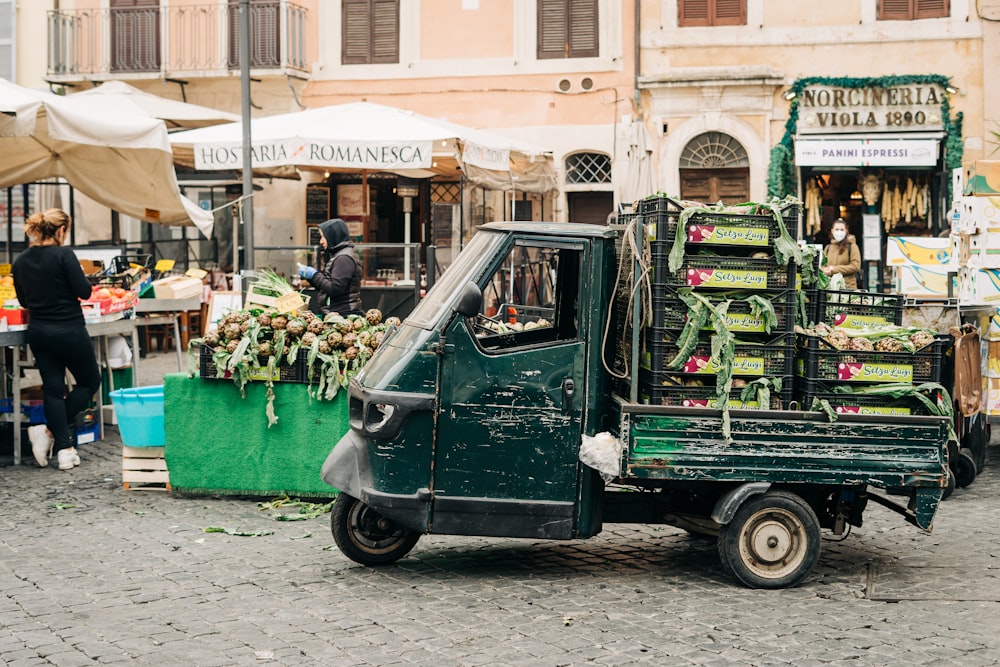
5,269
286,303
164,265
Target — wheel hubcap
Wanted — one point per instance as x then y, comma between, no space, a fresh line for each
372,531
772,543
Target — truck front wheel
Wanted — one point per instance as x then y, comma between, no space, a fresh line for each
367,537
772,541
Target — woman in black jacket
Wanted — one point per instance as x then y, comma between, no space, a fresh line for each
339,282
50,283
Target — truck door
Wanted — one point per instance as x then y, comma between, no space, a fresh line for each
512,396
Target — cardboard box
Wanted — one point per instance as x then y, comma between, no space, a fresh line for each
91,267
919,251
983,178
979,287
14,316
177,287
926,281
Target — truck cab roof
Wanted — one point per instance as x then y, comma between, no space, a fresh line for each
574,229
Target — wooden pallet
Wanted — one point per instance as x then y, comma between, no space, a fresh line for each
144,469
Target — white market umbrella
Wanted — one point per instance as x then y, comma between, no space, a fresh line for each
364,136
120,160
124,97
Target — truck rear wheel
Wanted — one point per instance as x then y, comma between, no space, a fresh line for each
367,537
772,541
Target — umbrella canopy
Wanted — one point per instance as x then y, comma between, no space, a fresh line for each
366,136
120,95
120,160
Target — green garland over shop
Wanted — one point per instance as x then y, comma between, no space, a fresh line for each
781,177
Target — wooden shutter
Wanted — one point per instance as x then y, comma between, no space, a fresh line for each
370,32
135,35
730,12
583,29
265,33
693,13
567,29
931,9
385,31
711,12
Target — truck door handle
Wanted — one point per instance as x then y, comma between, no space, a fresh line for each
569,389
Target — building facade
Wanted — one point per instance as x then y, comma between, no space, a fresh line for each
841,104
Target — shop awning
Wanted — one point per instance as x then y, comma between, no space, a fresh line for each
873,150
365,136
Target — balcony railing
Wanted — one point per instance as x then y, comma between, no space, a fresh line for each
182,39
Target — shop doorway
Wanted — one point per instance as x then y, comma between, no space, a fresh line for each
590,207
715,167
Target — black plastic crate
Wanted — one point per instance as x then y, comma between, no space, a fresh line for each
721,272
775,358
297,371
818,360
123,263
727,229
667,389
858,309
863,404
511,314
654,205
671,313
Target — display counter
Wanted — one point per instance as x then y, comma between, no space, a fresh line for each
219,443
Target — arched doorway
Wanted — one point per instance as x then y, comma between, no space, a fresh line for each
715,167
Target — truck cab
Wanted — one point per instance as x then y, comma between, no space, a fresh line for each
469,418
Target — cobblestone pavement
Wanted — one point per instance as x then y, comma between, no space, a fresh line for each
93,574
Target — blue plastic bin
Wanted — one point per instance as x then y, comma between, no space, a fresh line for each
140,416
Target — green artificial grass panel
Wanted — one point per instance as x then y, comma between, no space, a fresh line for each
219,443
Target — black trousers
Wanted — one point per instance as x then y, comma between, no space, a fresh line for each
58,348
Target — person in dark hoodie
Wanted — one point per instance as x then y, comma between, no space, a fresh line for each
338,283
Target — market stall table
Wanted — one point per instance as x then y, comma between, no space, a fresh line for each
167,311
218,442
98,330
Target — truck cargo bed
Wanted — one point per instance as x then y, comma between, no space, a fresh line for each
787,447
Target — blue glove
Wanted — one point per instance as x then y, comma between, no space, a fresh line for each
307,272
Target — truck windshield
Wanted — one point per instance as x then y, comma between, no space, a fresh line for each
442,296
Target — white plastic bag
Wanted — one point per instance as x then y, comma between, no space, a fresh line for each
603,453
119,353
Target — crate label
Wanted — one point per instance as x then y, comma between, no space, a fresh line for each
741,365
714,403
742,322
870,410
858,321
745,278
866,372
727,235
262,375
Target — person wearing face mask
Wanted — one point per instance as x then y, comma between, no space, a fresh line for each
843,255
338,283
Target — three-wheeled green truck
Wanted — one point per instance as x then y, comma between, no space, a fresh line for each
469,419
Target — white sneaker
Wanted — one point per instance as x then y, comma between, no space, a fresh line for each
68,458
41,443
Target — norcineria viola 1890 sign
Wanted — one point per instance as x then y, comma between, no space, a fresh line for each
833,110
297,152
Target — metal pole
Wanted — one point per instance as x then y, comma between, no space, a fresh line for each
248,250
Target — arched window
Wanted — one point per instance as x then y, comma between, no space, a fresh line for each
714,150
588,168
715,167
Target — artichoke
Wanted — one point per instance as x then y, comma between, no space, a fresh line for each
838,339
295,327
889,345
264,349
374,316
323,347
393,321
264,319
211,338
861,345
351,353
279,322
358,322
232,345
921,339
315,326
335,339
350,339
232,331
308,338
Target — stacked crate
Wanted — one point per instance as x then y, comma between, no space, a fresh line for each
727,256
826,373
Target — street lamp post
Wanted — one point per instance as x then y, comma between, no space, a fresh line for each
247,207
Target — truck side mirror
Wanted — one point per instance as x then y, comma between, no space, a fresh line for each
470,302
